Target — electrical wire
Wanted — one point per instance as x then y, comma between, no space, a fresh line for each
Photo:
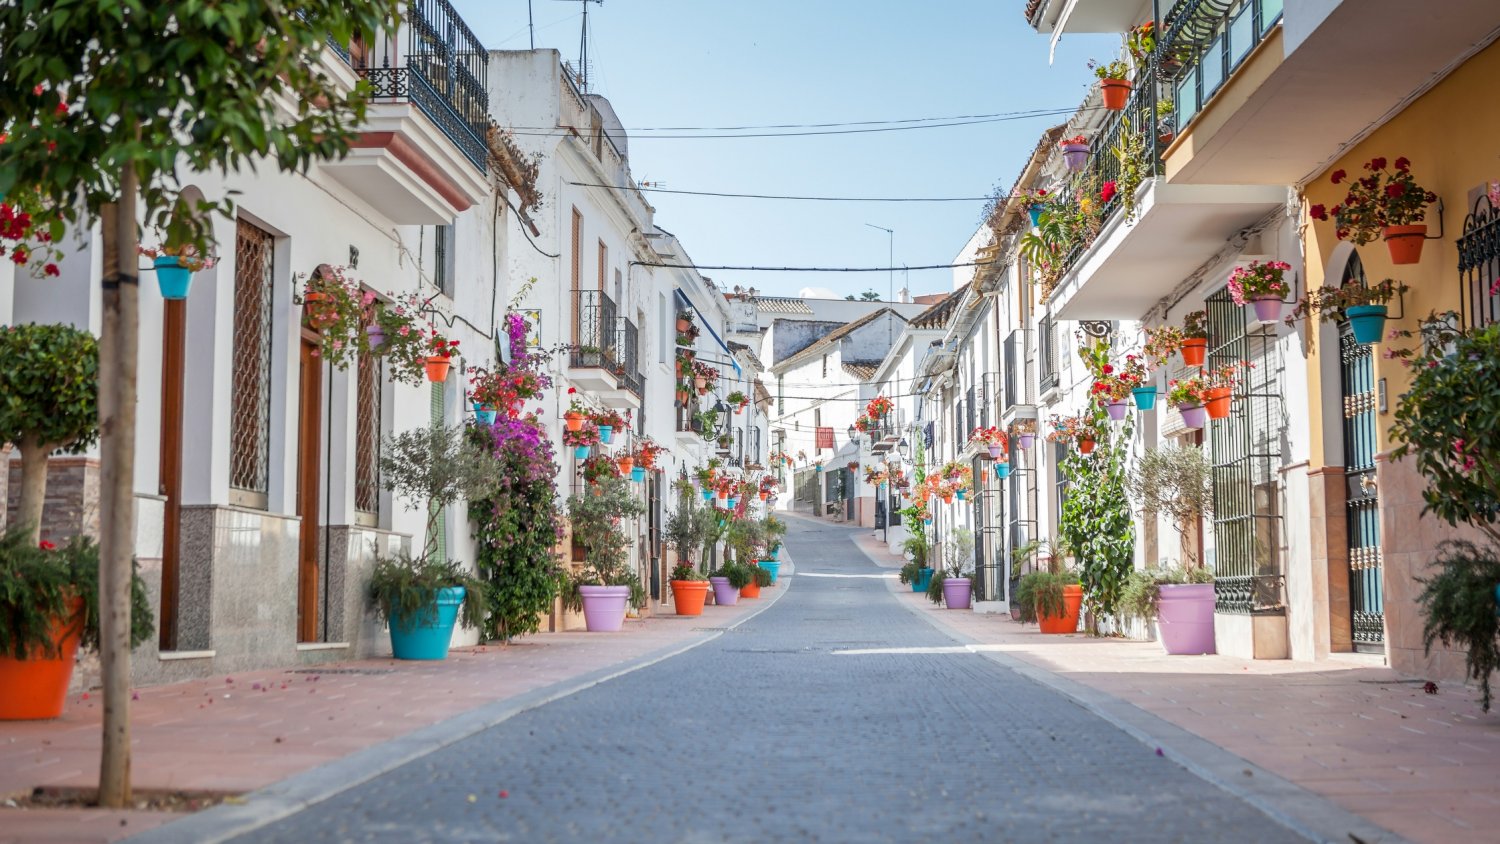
1023,116
777,196
811,269
835,125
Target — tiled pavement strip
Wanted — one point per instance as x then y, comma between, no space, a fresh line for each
248,730
1426,767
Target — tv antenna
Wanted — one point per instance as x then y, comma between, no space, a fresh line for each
583,42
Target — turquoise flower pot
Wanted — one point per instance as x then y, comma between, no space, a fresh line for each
1002,471
773,567
1367,321
485,417
733,502
428,635
606,434
581,452
173,278
961,495
708,495
923,580
1036,215
1145,398
637,474
776,554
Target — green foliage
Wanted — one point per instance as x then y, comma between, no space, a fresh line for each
686,571
911,571
405,590
1175,482
1134,169
1460,605
49,386
595,516
36,586
169,88
746,538
916,546
958,553
1096,522
739,575
1449,423
935,587
1041,593
1022,554
761,576
432,468
685,528
1141,591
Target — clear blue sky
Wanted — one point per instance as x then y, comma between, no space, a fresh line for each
719,63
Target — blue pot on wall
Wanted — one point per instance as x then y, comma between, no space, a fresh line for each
708,495
1002,471
484,417
427,636
1145,398
606,434
1036,215
1367,322
581,452
172,277
961,495
637,474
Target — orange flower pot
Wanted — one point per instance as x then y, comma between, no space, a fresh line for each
750,590
1086,446
1405,242
688,595
947,498
317,309
1194,351
1068,621
701,384
683,325
625,464
1217,400
574,420
437,368
1116,93
35,689
764,496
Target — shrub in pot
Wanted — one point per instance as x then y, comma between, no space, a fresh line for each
953,586
606,585
1176,483
1055,599
727,582
420,599
49,607
684,533
1180,599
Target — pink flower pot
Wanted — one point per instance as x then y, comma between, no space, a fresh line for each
995,452
1267,308
1193,415
1117,409
725,595
1185,618
956,593
604,607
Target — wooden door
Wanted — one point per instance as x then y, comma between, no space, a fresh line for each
173,357
309,430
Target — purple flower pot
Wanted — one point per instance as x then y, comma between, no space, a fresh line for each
1075,155
604,607
995,452
1117,409
376,335
1193,415
725,595
1026,440
1185,618
1267,308
956,593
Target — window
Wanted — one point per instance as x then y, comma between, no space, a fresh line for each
577,249
443,259
665,329
825,366
1047,352
818,417
781,394
367,438
250,397
603,263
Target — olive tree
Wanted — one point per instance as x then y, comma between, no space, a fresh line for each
49,381
109,104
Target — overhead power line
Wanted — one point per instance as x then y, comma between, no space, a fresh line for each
780,196
1018,116
757,126
809,269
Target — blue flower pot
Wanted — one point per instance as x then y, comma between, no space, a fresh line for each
1002,471
1367,321
1036,215
637,474
1145,398
708,495
923,580
960,495
606,434
485,417
581,452
427,636
733,502
173,278
819,470
773,567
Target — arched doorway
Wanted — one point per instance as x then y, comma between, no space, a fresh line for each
1362,501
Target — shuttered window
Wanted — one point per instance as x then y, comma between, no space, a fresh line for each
250,381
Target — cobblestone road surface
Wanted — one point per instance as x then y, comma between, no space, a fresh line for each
770,734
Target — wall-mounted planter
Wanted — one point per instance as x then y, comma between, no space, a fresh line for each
1145,398
1367,322
174,279
1405,242
1115,92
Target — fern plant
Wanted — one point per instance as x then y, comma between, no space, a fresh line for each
1460,605
38,585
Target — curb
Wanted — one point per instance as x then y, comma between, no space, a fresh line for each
1304,812
286,797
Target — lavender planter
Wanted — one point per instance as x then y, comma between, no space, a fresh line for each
1117,409
1193,415
1075,155
956,593
995,452
604,607
1026,440
725,595
1267,308
376,336
1185,618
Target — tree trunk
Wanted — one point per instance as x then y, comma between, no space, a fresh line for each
117,395
33,486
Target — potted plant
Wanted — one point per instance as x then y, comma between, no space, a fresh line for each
1162,341
1262,286
175,266
429,469
919,575
1195,338
1176,483
49,607
1075,152
608,421
577,412
956,582
335,306
684,321
1022,561
606,585
1388,203
1024,430
405,340
1114,84
992,439
1033,201
1365,307
727,581
581,440
1166,130
1054,598
439,357
1187,395
1218,389
738,401
1113,385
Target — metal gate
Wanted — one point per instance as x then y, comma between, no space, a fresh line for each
1357,388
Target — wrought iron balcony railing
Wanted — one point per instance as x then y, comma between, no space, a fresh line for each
1016,386
411,84
1205,42
627,359
595,333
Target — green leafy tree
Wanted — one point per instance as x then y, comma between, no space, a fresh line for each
49,382
596,516
1096,522
432,469
109,103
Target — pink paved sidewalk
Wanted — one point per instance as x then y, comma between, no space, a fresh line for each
241,732
1423,766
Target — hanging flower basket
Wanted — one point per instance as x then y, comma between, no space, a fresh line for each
174,279
437,368
606,434
1217,401
1075,152
1117,409
375,334
638,474
574,420
1002,471
1025,440
581,452
484,415
1086,446
1367,322
1116,93
1194,350
1145,398
1405,242
1035,212
1193,415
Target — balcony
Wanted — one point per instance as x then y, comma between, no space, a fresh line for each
1134,261
592,356
1055,17
1279,93
630,383
422,152
1018,374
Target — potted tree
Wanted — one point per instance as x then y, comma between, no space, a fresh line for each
49,607
953,586
1176,483
684,533
606,585
419,596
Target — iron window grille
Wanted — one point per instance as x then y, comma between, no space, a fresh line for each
367,427
1479,263
250,381
594,330
1047,352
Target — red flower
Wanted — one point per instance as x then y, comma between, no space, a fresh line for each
1318,212
1109,369
1402,164
62,108
572,390
19,256
1107,192
51,269
46,546
1395,189
1377,163
1339,176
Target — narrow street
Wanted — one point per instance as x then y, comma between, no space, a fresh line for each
834,715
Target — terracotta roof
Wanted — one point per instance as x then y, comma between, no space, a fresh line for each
781,305
834,336
862,371
937,316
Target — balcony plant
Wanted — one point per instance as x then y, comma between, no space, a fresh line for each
405,337
607,421
1166,122
440,352
1188,396
1032,202
334,305
49,607
738,400
686,328
705,377
581,440
1114,83
1387,203
1364,306
1134,168
878,408
1024,430
1195,338
1162,341
1219,387
606,585
993,440
175,265
1262,286
1075,151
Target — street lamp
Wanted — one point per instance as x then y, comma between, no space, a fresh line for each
890,258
